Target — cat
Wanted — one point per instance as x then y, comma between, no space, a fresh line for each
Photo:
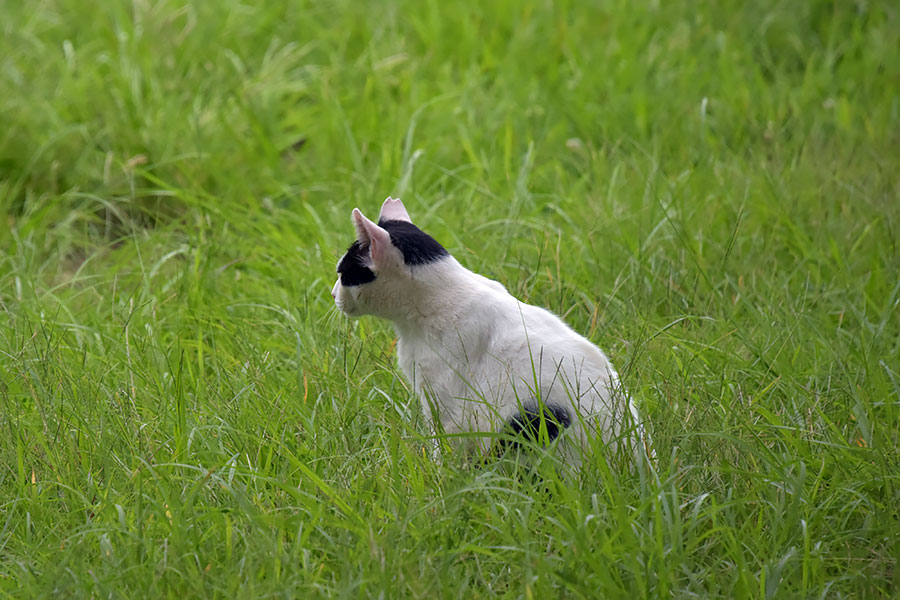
482,362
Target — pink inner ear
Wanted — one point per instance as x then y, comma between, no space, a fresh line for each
393,210
378,238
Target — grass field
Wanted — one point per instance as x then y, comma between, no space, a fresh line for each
709,191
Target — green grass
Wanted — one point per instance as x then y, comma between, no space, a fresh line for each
709,191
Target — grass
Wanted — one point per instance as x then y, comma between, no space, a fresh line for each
708,191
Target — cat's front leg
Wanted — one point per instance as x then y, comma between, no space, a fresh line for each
436,454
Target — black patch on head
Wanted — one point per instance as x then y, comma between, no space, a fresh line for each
417,247
528,423
352,268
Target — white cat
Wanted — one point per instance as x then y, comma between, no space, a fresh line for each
480,360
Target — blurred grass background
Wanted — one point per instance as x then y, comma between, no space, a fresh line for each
709,191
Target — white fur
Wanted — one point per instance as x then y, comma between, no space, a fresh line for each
475,354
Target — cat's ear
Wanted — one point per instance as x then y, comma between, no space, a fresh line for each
378,239
393,210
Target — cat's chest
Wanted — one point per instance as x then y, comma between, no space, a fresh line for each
433,360
416,355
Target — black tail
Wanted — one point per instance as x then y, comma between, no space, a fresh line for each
536,423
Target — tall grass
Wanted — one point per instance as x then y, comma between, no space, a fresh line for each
708,191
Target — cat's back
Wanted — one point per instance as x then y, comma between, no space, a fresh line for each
548,335
525,333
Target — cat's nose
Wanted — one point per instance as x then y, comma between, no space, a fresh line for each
334,290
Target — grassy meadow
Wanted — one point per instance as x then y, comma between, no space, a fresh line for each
707,190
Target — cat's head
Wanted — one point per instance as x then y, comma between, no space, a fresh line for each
378,269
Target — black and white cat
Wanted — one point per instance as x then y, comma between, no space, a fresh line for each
480,360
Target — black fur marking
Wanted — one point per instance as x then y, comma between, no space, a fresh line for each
353,269
527,424
417,247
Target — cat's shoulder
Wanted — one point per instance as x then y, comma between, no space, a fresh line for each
490,285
